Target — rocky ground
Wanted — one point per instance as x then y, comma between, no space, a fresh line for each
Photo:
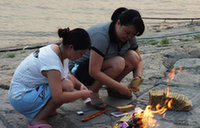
159,56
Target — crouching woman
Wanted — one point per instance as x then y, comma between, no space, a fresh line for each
42,83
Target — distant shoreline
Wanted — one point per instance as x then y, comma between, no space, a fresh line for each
161,30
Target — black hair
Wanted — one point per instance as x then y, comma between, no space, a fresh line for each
117,12
78,37
129,17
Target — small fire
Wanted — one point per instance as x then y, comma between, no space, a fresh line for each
146,117
171,76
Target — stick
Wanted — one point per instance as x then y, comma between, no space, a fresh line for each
94,115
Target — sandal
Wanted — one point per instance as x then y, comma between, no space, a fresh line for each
39,125
135,83
99,104
116,94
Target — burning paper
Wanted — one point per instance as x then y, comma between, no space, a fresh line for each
177,101
159,102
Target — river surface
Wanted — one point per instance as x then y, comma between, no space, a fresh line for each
27,22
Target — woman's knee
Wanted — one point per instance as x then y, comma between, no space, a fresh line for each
117,64
132,59
67,85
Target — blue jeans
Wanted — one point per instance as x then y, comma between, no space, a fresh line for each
32,102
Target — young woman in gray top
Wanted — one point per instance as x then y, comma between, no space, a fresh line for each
114,53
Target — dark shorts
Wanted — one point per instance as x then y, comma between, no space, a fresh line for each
82,73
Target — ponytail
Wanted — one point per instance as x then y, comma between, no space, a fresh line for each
78,37
62,33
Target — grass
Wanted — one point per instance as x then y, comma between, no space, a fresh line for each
164,41
152,42
147,41
10,55
23,51
196,37
185,39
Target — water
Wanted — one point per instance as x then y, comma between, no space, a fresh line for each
27,22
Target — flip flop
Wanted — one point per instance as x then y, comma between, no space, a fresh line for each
39,125
98,105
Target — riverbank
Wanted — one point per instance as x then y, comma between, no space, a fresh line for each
161,29
159,56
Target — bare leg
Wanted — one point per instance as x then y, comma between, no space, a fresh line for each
44,113
112,67
133,63
68,85
51,106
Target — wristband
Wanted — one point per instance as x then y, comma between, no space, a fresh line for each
138,76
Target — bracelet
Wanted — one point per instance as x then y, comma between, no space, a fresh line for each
138,76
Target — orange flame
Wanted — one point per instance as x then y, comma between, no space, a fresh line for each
148,114
171,75
169,104
180,69
167,91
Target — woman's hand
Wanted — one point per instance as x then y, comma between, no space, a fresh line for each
83,87
86,94
124,90
78,85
